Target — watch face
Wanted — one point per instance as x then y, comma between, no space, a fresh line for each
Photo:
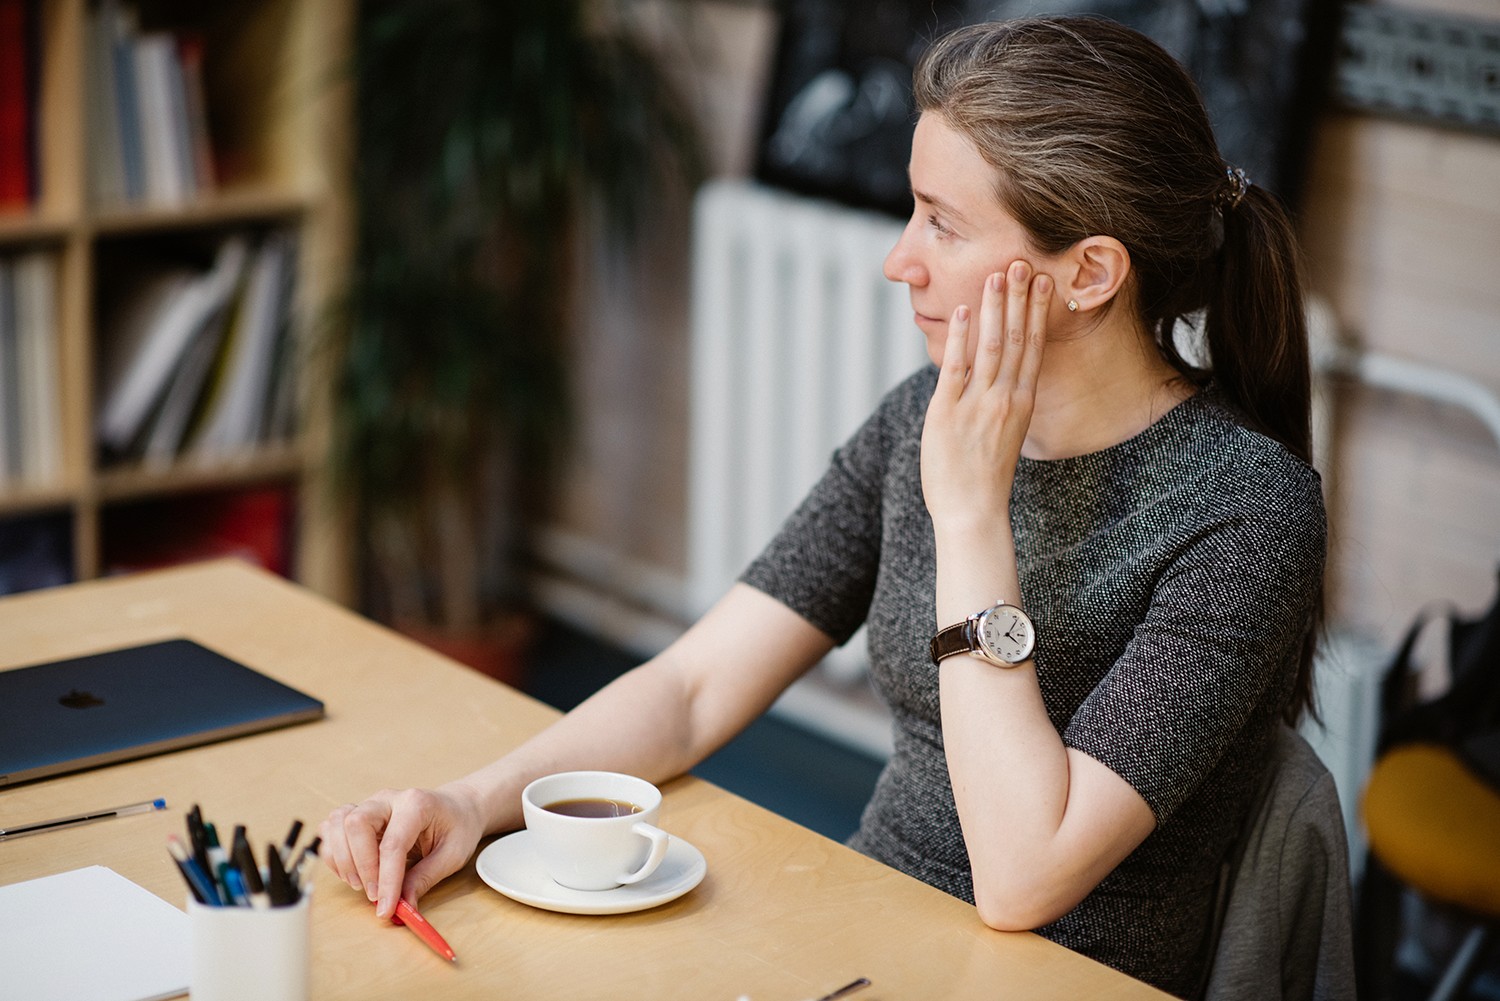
1006,633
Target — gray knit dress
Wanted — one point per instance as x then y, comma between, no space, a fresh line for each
1171,578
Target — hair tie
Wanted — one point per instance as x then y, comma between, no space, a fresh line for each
1239,183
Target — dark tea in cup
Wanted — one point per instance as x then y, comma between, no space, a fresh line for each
593,807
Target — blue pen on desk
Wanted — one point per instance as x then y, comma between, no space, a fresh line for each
43,826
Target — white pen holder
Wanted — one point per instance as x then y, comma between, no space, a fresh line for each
246,954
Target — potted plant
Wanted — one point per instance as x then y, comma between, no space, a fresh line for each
484,131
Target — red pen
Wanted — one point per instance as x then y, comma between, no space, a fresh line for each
407,915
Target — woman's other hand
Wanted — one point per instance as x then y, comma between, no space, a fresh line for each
980,412
370,845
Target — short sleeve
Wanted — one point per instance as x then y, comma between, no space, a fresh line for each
1224,633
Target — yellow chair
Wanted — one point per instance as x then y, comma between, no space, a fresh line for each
1434,826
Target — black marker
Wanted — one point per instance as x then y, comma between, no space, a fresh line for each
291,841
279,886
244,861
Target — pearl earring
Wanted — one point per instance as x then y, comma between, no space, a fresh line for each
1072,305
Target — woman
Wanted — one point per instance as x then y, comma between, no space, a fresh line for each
1154,531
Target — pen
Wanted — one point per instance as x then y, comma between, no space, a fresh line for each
407,915
279,886
198,839
242,860
41,827
201,886
291,841
310,852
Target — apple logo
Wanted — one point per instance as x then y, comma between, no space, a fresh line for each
80,700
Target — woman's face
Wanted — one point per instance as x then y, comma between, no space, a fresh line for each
958,235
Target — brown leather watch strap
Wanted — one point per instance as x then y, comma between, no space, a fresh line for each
954,639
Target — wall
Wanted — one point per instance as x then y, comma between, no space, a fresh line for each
1402,231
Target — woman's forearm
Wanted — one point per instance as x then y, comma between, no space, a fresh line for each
1042,824
636,724
667,715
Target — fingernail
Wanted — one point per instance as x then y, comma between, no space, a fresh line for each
1043,284
995,281
355,883
1019,271
962,313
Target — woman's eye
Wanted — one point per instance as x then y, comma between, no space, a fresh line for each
937,225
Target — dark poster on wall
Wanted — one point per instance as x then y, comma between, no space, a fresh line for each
839,115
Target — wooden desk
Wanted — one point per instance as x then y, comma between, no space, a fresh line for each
784,914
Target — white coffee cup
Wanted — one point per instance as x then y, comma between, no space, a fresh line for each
595,852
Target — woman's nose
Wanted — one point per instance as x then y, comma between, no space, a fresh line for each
902,266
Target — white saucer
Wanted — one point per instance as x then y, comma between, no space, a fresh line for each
511,867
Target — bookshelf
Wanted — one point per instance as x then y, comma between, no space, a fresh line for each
252,114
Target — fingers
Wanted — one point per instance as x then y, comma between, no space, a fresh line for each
956,352
987,360
1012,332
412,816
334,850
351,841
1037,306
430,870
369,845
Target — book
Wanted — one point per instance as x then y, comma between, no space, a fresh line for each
10,378
153,337
120,29
184,396
40,407
238,412
200,143
105,150
155,57
17,113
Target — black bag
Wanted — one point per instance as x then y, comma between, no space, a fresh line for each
1467,716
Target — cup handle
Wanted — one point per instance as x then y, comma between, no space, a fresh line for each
659,841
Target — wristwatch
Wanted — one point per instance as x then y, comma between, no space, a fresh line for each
1002,634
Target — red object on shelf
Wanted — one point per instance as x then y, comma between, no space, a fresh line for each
17,113
254,524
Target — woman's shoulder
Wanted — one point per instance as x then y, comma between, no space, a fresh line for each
1254,471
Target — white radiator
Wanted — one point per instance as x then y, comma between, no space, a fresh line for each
796,336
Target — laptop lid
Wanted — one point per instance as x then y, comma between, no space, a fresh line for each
68,715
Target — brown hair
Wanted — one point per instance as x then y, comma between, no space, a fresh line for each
1093,129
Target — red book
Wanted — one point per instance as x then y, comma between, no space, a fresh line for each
15,104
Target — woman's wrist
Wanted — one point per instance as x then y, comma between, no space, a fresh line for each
482,801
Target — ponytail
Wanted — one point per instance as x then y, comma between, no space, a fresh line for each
1255,326
1256,329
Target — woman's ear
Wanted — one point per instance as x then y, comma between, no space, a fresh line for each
1096,269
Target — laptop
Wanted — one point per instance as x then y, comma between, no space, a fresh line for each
69,715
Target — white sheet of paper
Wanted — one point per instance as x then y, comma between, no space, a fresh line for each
90,933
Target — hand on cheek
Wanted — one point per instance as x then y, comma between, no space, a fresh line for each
981,409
